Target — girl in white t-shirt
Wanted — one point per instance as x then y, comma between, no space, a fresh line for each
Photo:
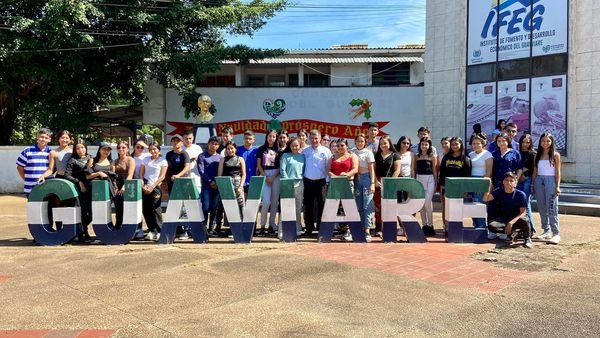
153,171
482,163
364,182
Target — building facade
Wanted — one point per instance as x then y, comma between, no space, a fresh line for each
539,67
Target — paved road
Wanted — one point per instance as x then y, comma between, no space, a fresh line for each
304,289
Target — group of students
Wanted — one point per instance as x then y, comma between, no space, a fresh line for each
312,159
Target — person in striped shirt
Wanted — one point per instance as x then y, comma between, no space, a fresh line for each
34,164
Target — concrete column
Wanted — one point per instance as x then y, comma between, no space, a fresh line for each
300,75
238,76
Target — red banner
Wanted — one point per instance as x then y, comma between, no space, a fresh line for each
292,126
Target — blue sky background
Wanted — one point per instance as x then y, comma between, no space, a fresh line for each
319,24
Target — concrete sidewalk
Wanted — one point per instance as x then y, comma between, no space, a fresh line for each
305,289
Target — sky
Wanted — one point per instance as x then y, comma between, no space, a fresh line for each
311,24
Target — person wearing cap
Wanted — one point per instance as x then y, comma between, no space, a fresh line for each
507,211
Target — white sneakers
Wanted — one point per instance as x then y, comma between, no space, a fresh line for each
152,236
555,239
545,235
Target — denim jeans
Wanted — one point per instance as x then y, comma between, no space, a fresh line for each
270,200
547,201
428,183
364,198
210,205
525,187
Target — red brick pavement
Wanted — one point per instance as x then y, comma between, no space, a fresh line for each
56,333
436,262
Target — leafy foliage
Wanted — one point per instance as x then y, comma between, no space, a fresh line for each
62,59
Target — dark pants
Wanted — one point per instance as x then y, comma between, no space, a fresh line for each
210,204
521,225
119,206
152,211
313,203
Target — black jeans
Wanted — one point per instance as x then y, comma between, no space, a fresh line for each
152,210
313,203
522,225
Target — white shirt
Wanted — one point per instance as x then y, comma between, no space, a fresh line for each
315,166
152,169
138,163
365,156
478,162
194,152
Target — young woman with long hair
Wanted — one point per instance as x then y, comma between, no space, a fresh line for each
454,164
302,137
234,166
267,164
364,182
62,154
527,151
343,163
75,172
124,166
546,186
505,159
444,147
282,141
387,164
482,163
153,171
424,166
292,166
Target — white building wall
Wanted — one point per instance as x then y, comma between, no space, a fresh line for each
445,76
584,92
350,74
445,47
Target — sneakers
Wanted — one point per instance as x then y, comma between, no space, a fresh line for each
528,243
139,234
547,234
347,236
183,236
555,239
368,238
261,233
151,236
429,231
271,232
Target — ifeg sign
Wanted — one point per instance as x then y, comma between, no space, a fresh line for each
515,29
242,219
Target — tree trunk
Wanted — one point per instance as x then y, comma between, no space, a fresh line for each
7,117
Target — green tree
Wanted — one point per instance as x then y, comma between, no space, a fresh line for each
61,59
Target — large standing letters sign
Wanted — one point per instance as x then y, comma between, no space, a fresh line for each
184,197
184,209
391,210
339,191
241,222
102,215
457,209
287,216
37,213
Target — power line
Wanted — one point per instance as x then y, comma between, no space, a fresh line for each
73,49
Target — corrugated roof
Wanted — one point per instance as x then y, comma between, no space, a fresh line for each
313,60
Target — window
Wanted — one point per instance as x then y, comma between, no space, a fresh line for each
256,81
551,64
481,73
293,80
217,81
276,80
390,74
514,69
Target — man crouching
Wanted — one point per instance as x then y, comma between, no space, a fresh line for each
507,210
